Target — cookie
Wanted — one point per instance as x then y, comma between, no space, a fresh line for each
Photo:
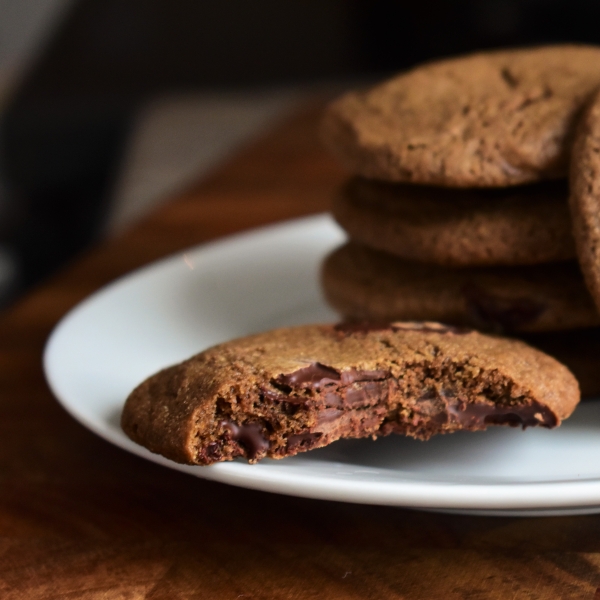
578,350
584,199
286,391
368,284
516,226
485,120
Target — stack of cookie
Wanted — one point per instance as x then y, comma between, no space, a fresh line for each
458,211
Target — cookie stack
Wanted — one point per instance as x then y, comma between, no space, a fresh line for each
458,210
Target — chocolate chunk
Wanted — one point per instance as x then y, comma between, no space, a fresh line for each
213,451
333,399
440,408
328,415
476,415
272,396
366,393
314,376
360,393
249,435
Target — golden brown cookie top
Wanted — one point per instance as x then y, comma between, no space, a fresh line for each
488,119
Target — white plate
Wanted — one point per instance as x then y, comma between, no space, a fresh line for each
169,310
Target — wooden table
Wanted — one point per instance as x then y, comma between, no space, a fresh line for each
80,518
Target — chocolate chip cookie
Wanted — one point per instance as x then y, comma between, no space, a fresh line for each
488,119
362,283
584,199
513,226
286,391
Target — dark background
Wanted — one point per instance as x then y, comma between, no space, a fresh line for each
62,135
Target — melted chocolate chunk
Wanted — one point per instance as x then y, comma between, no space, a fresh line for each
271,396
328,415
361,393
350,388
442,408
430,407
501,314
366,393
333,400
248,435
314,376
478,414
213,451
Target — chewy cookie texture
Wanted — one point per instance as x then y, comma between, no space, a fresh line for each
290,390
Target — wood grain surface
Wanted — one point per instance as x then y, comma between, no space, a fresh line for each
80,518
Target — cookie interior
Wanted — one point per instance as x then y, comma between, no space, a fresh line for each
318,404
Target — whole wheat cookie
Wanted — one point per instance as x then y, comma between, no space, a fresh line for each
362,283
290,390
488,119
523,225
584,198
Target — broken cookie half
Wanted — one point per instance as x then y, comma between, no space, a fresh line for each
286,391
